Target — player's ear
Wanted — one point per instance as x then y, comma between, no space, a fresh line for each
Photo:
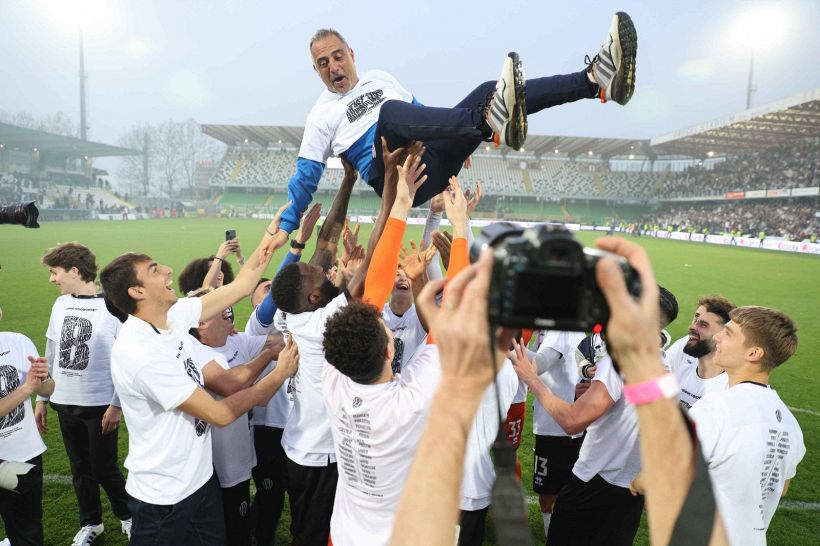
352,55
136,293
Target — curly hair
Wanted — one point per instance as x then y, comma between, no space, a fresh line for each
286,289
355,342
194,274
68,255
717,305
669,305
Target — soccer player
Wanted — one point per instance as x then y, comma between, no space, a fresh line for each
80,334
306,298
233,445
160,377
356,110
22,373
692,358
749,437
555,450
595,506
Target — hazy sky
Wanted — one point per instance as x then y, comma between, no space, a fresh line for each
247,61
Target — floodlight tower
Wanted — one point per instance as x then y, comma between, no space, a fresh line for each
83,124
750,88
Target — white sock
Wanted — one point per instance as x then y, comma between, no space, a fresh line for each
546,517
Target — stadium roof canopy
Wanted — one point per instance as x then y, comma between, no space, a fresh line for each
778,122
14,137
775,123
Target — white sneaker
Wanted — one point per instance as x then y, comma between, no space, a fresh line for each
126,527
613,68
506,112
5,542
87,534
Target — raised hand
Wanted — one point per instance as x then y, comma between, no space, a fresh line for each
474,199
309,223
410,179
443,241
415,263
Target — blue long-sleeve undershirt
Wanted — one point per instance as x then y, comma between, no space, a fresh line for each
301,187
265,310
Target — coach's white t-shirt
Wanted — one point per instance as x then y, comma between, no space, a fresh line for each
337,121
611,446
376,429
83,332
233,451
169,451
560,379
752,444
408,334
685,367
479,473
307,439
19,439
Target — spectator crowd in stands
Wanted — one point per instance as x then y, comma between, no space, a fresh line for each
792,165
794,219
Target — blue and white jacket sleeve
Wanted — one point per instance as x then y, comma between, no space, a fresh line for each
265,310
301,188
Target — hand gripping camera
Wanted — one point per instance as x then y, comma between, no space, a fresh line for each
544,279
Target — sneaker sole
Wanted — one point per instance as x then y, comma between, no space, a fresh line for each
516,133
623,84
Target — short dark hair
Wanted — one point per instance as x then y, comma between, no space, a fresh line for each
772,330
117,277
193,275
718,305
355,342
323,33
286,289
669,304
68,255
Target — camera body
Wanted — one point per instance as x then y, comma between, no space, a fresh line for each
23,214
543,278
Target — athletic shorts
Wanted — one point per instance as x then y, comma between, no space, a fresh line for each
554,458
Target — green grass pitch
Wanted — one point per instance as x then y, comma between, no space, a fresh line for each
785,281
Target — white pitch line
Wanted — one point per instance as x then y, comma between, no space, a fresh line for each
801,410
56,478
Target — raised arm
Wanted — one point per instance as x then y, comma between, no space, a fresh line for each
227,382
301,188
328,242
456,206
223,297
224,412
385,263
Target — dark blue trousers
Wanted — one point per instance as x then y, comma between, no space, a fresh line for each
450,135
196,520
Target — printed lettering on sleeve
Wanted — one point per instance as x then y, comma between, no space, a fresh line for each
192,371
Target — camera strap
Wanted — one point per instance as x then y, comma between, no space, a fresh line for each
697,515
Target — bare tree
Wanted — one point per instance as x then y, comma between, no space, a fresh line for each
196,147
167,154
137,169
58,123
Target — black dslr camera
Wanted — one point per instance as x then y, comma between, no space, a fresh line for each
543,278
24,214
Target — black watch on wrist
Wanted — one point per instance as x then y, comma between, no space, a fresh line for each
295,244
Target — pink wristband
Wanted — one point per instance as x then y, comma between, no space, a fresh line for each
665,386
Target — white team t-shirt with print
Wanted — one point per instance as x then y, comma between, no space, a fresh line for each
479,473
376,429
337,121
611,446
307,439
233,450
685,367
408,334
19,439
275,414
169,451
560,379
752,444
83,332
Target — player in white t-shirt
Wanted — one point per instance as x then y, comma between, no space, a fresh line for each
159,376
80,334
555,450
356,109
691,358
233,446
22,374
376,419
595,506
401,317
748,436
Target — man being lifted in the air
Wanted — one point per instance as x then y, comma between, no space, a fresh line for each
357,110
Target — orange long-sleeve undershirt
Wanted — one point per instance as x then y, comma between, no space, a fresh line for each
385,263
459,257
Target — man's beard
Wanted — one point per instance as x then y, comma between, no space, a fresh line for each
328,291
700,349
